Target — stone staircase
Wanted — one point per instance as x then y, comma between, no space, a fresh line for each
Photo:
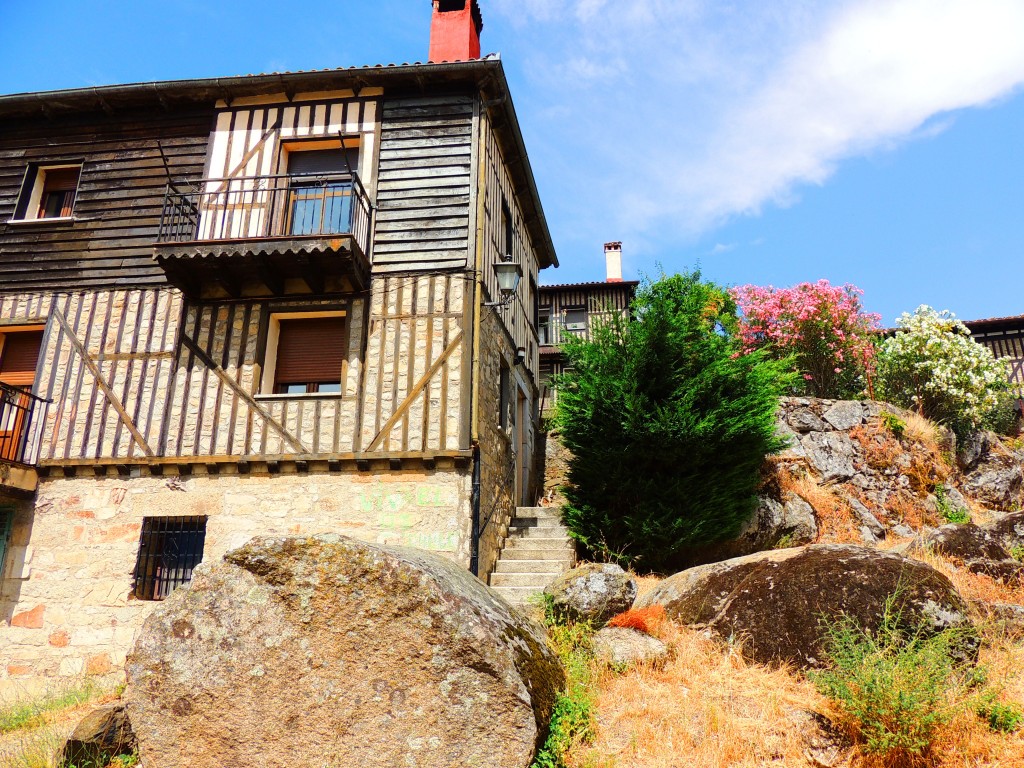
537,549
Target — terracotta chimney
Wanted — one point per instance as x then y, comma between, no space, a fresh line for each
455,30
613,261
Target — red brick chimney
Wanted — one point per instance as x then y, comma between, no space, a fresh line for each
455,30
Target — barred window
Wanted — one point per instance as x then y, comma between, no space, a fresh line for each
169,549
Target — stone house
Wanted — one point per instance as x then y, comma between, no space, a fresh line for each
573,308
273,304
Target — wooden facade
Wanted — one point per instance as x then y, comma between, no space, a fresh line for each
1005,337
573,309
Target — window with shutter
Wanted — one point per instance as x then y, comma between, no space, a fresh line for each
19,353
49,193
310,354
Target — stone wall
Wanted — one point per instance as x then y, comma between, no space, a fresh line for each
497,488
68,575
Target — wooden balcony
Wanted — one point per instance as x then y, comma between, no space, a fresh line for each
22,415
266,235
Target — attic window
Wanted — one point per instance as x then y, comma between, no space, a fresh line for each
49,192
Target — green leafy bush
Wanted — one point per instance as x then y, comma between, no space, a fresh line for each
572,720
934,366
668,426
1004,718
949,511
895,688
893,423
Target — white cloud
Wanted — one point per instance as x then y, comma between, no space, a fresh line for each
691,111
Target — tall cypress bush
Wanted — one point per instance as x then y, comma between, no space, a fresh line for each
667,425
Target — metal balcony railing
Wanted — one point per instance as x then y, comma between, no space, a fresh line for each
254,207
22,415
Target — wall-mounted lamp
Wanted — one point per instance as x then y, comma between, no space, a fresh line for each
520,355
508,273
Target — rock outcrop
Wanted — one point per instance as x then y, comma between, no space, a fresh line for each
332,651
623,647
592,592
979,549
993,474
102,734
775,603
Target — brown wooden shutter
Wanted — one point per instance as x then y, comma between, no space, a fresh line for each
310,350
19,356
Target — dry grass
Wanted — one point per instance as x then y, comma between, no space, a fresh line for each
647,619
923,431
972,586
705,708
836,523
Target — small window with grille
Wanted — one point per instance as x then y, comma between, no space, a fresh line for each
169,550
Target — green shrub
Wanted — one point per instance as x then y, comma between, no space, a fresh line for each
1017,552
667,424
893,423
895,688
572,720
948,510
1004,718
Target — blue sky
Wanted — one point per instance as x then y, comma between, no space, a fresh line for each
876,142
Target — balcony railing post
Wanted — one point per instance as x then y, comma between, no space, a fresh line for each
19,424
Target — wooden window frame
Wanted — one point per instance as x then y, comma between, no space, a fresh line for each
269,379
581,327
30,201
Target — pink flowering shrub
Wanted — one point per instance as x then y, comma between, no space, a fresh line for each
820,327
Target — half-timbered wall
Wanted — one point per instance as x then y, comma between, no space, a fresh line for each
600,301
1007,345
424,184
120,196
415,395
516,317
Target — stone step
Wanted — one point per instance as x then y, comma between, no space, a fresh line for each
517,595
539,512
538,542
528,553
535,580
533,566
537,522
530,532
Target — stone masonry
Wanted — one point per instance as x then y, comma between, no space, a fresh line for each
68,578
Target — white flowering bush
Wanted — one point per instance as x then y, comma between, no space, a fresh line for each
934,366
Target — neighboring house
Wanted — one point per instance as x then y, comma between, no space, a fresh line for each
573,309
263,304
1005,337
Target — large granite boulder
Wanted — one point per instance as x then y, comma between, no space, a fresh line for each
1009,529
102,734
592,592
332,651
979,549
775,603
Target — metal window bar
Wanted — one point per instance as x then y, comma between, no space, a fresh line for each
22,417
169,550
247,207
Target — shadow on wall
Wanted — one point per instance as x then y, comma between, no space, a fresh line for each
15,568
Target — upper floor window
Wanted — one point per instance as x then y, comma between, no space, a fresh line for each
305,354
49,192
544,327
576,319
19,354
320,183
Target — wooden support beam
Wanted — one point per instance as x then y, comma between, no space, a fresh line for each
269,275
